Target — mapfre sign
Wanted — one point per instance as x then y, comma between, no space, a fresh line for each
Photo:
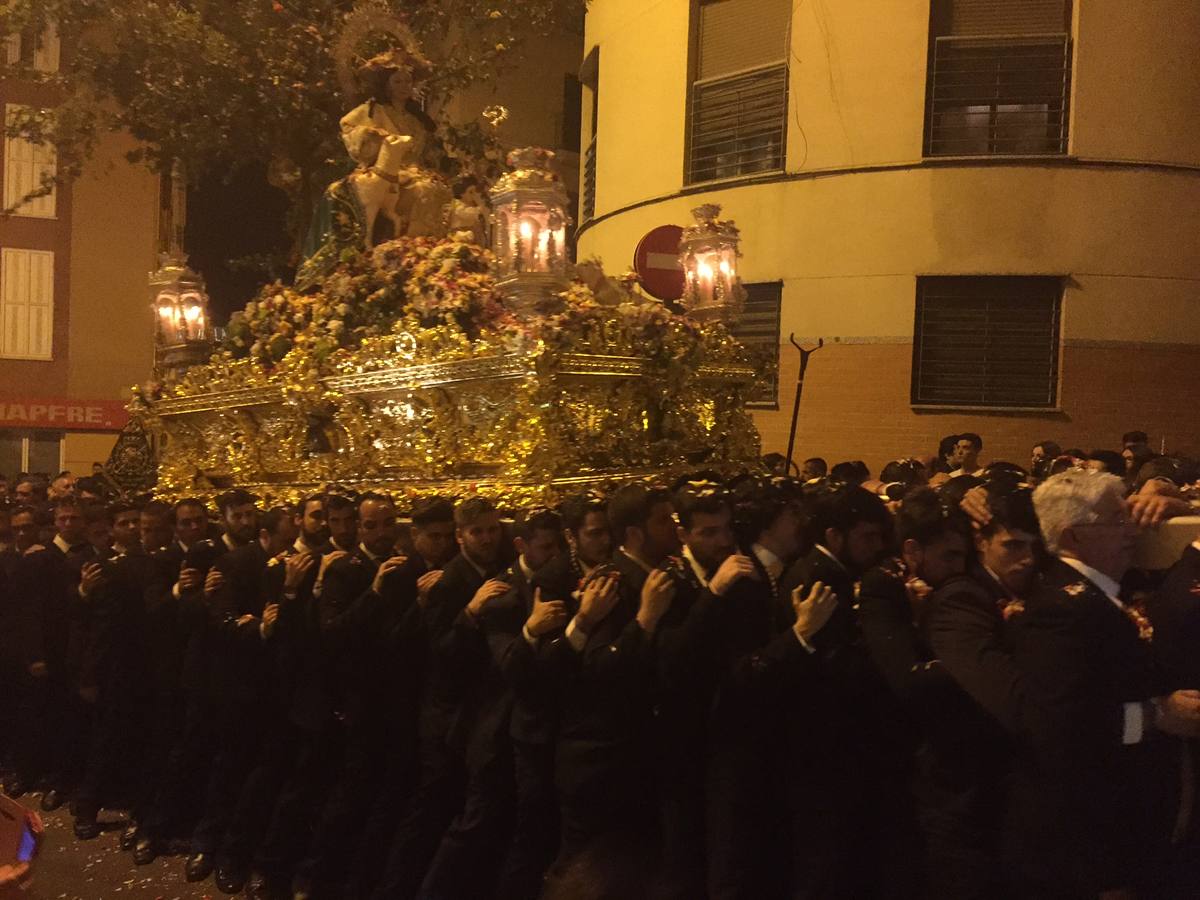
62,414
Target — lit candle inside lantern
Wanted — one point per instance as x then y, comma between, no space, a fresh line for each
524,245
704,274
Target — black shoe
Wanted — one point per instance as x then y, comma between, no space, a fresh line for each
258,887
145,850
15,787
230,879
129,837
53,799
199,866
87,828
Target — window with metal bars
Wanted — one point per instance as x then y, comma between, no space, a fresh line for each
737,114
986,341
758,330
999,78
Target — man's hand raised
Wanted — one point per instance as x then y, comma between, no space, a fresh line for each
425,585
545,617
1178,714
488,591
812,611
295,568
657,595
599,598
213,582
386,568
735,566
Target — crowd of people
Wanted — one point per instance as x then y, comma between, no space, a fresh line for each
945,682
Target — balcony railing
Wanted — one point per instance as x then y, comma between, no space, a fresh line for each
738,125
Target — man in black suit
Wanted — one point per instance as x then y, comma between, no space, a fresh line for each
963,622
353,613
404,586
919,700
745,823
282,688
223,654
467,585
176,624
1089,808
523,712
51,619
834,738
113,671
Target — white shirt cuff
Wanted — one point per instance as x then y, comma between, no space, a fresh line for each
576,636
528,635
1135,724
808,648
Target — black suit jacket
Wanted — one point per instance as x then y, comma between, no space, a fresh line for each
243,666
1085,807
53,620
1174,611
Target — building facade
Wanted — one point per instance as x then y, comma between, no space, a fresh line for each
75,326
989,211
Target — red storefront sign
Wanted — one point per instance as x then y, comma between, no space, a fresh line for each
62,414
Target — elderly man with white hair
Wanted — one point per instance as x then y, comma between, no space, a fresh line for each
1092,799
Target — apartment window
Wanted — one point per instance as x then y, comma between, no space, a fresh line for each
999,78
26,303
39,51
25,165
758,330
737,119
986,341
30,451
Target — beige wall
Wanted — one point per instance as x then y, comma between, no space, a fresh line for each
859,215
114,230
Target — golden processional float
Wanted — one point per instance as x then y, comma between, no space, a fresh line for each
445,344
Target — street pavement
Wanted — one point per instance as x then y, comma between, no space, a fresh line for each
68,869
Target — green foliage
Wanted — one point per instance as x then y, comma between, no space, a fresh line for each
221,83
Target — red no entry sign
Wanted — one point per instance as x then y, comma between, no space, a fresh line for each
656,260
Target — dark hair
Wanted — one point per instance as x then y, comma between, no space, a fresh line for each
946,446
190,501
344,501
817,464
574,509
973,438
89,484
1135,437
1113,462
629,507
1011,507
302,506
160,510
431,511
471,510
67,501
758,502
901,476
274,518
1075,452
855,472
700,497
841,507
526,522
924,517
956,488
234,497
380,497
1060,464
1000,470
1050,449
121,506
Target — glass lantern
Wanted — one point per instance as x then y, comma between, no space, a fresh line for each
709,253
529,229
182,333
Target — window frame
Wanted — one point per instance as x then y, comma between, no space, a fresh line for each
1054,381
777,285
693,71
49,304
